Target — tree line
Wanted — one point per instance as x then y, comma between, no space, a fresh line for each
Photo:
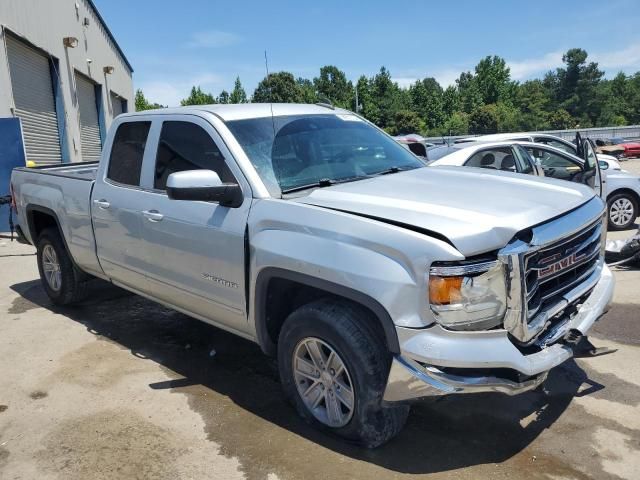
485,100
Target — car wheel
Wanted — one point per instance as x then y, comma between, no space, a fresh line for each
334,367
61,280
623,210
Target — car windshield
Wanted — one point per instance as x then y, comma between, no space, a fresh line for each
292,152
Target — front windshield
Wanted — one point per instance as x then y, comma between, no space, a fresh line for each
291,152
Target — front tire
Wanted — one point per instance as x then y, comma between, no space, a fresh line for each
61,280
622,211
334,367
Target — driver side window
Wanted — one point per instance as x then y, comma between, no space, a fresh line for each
555,165
187,146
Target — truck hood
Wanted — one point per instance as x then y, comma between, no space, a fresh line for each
475,209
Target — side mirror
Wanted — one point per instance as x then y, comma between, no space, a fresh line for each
203,186
603,165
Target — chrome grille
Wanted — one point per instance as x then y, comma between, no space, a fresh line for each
551,267
554,270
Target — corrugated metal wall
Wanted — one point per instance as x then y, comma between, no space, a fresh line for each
34,100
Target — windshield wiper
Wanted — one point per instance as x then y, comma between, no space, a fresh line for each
327,182
323,182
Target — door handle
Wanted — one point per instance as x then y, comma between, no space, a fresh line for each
153,215
102,203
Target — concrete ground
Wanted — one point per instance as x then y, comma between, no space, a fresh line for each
121,388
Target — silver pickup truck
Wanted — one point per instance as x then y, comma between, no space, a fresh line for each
313,233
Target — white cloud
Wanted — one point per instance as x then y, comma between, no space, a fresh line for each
212,39
404,82
611,62
445,77
169,91
524,69
619,59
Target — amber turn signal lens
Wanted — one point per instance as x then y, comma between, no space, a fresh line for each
444,290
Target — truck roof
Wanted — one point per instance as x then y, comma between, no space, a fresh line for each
242,111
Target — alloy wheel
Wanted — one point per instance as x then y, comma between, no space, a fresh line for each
323,382
621,212
51,268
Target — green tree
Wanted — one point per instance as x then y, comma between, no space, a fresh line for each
238,95
309,94
483,120
333,84
469,95
450,101
532,100
280,87
427,101
387,96
456,124
224,97
493,80
405,122
561,119
574,87
198,97
142,104
367,107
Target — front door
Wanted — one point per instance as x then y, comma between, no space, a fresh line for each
195,251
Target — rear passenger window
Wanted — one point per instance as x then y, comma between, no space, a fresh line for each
187,146
125,162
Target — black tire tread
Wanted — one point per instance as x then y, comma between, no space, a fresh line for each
380,422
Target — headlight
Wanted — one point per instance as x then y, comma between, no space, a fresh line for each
468,297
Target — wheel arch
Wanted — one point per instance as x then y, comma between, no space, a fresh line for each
632,193
40,218
269,316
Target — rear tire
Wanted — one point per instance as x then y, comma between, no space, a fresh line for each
61,280
346,330
622,211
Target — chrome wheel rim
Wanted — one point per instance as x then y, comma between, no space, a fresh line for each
51,268
323,382
621,212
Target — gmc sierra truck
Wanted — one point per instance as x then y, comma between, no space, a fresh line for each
308,230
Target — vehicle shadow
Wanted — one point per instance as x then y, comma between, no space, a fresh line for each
440,435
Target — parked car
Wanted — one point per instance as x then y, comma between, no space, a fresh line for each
620,189
415,143
620,148
308,230
545,139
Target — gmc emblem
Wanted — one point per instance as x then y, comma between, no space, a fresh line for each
559,265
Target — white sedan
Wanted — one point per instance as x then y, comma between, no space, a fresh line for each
620,189
543,138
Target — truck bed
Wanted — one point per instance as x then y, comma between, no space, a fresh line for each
63,192
79,171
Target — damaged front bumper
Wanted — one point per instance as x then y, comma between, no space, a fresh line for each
435,361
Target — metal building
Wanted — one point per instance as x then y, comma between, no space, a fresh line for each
63,74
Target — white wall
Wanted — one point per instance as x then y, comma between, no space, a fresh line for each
44,23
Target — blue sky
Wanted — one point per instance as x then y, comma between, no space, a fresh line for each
173,45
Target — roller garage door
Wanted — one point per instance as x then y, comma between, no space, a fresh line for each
90,141
34,101
116,104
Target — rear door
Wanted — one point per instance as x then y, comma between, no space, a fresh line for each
195,251
115,206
